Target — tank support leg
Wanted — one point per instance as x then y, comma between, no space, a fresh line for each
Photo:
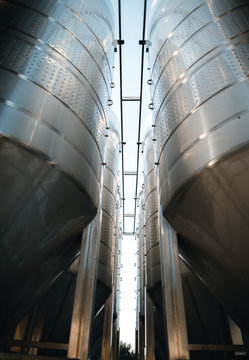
85,288
174,311
149,328
141,338
107,329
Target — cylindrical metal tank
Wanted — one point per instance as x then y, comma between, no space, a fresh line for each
109,208
138,281
116,282
117,236
55,68
199,62
141,239
151,205
119,275
142,278
152,238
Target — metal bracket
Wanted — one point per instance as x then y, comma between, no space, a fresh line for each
145,43
117,42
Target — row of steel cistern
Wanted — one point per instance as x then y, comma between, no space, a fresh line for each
59,163
59,153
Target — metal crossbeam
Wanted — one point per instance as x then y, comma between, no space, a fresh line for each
217,347
131,98
143,44
35,344
134,173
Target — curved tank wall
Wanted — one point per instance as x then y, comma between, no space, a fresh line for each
140,325
116,265
109,212
119,278
153,264
199,70
116,281
142,249
55,68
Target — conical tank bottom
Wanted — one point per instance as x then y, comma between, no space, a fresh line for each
42,214
211,214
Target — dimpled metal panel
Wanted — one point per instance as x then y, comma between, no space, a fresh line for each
55,67
150,182
111,182
149,154
199,69
109,210
151,215
151,204
112,151
141,240
201,48
117,250
60,65
152,232
150,179
105,264
109,203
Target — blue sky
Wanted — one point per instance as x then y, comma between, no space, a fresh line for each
132,25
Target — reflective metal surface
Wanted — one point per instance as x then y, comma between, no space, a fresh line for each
153,264
55,61
83,308
173,305
116,282
207,322
149,329
199,70
141,279
109,214
107,328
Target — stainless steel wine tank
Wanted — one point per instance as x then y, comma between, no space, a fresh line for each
199,60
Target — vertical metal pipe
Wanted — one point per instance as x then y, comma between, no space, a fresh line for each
174,311
141,338
20,333
149,328
107,329
38,328
85,288
115,343
141,285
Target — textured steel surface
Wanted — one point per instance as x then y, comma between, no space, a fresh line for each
141,240
117,264
141,279
151,205
199,68
109,209
173,304
55,68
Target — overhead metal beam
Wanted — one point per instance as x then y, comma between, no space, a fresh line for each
131,98
133,173
143,44
107,329
120,43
